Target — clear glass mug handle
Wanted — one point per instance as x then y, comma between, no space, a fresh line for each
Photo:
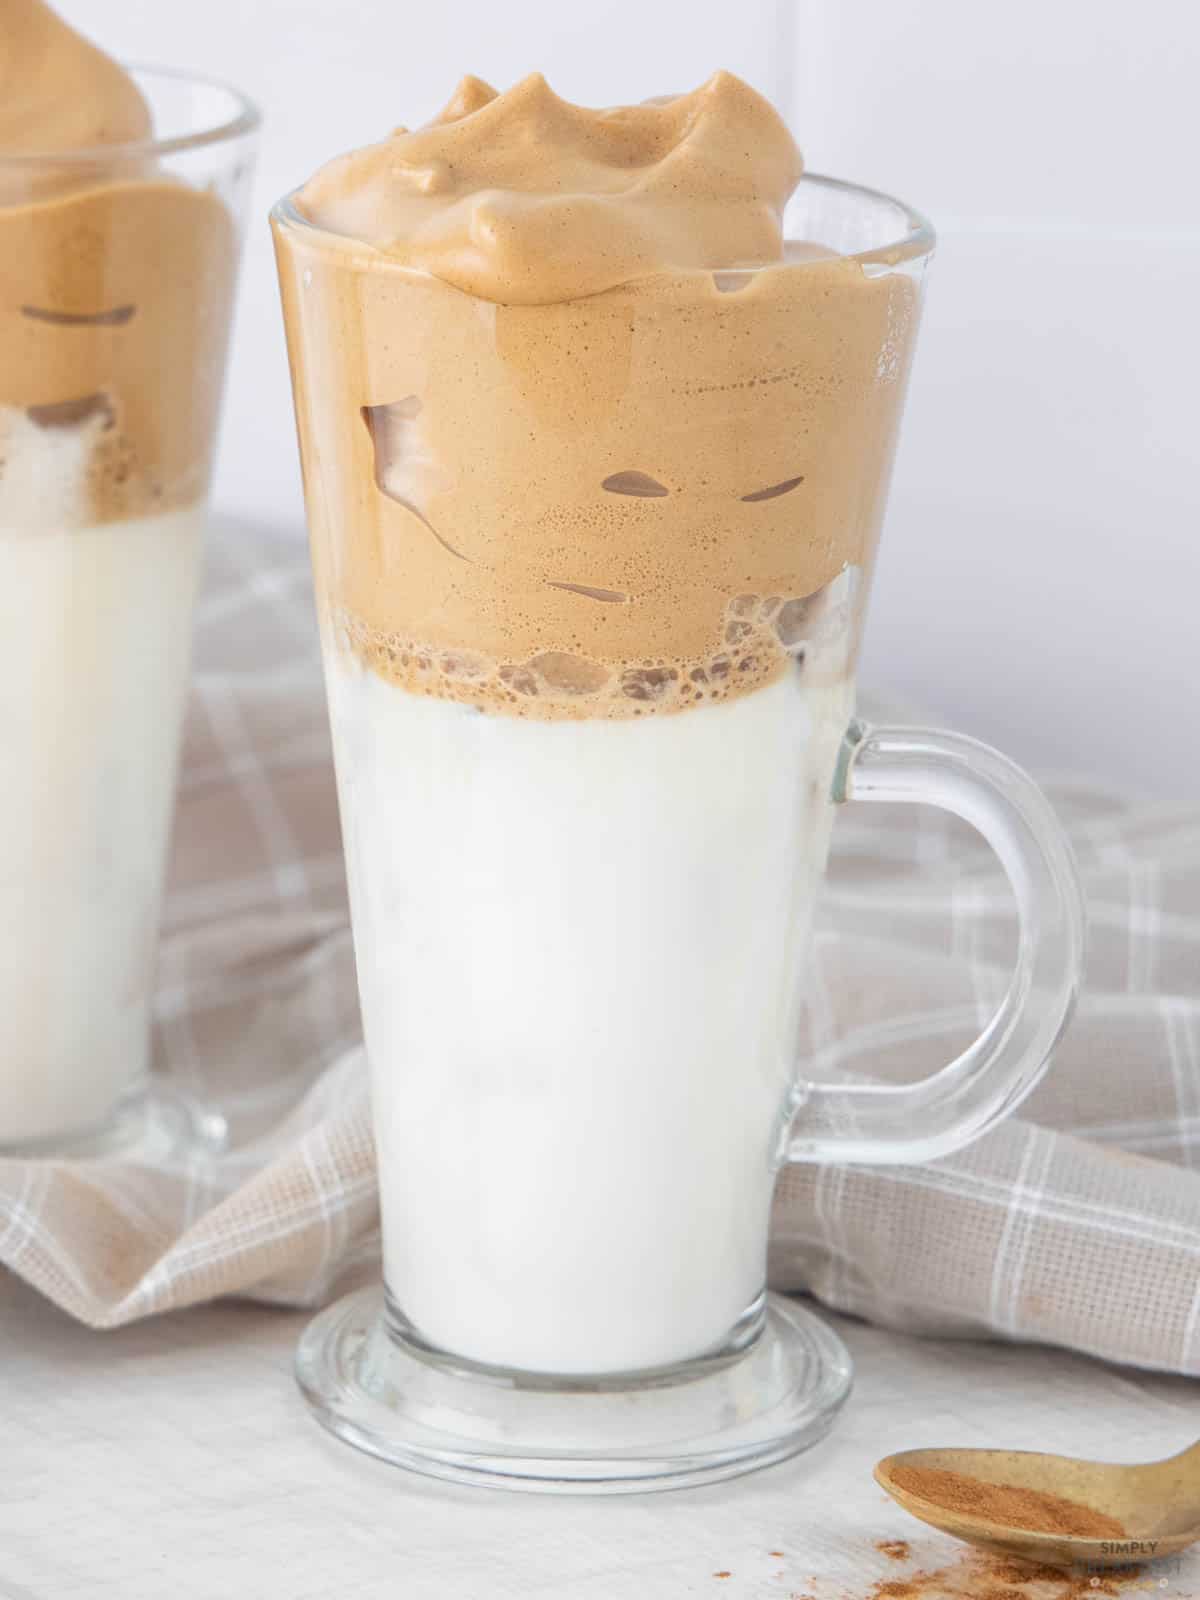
886,1123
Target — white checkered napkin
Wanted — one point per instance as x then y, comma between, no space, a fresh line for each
1077,1223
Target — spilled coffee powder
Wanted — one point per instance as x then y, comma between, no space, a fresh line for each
1006,1504
975,1576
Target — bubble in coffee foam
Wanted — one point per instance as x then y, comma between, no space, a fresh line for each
773,492
591,592
648,683
730,282
463,664
66,413
522,680
635,483
402,467
793,622
568,673
570,684
818,629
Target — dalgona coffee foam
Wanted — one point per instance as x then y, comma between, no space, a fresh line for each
582,438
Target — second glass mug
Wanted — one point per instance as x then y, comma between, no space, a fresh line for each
580,939
117,273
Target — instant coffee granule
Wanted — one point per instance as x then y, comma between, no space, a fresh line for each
893,1549
1006,1504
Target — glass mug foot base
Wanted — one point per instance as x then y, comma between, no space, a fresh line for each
153,1126
694,1424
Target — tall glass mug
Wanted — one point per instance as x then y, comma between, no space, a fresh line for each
117,270
591,579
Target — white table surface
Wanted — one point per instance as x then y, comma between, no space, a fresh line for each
175,1458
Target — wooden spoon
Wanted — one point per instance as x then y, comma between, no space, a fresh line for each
1158,1504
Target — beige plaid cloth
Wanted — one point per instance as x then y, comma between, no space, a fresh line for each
1077,1222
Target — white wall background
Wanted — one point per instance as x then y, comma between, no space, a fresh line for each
1040,577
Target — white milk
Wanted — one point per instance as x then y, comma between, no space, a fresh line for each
94,635
579,947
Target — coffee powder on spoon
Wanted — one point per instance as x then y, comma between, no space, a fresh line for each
1005,1504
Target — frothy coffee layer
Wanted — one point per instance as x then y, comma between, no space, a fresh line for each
815,634
115,286
526,199
597,504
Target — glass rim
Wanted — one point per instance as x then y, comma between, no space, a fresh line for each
246,119
917,241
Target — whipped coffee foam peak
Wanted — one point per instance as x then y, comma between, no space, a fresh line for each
57,91
525,199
